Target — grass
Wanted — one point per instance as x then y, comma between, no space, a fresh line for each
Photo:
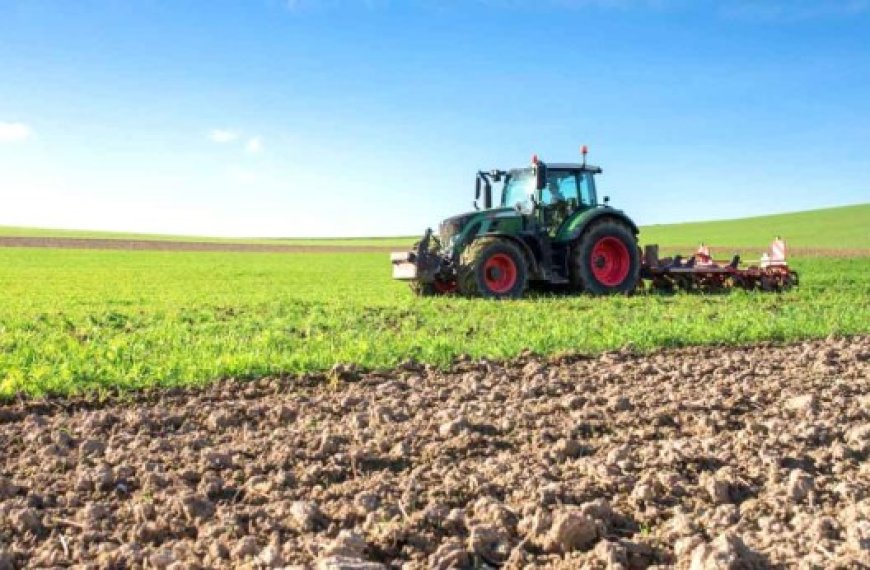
846,227
84,320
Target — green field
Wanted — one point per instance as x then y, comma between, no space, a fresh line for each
84,320
75,320
846,227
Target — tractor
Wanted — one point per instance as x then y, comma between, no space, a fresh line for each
546,227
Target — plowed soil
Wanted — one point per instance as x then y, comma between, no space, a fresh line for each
699,458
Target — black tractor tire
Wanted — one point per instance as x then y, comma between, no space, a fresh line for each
605,260
493,268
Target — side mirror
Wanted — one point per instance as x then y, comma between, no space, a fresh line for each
606,200
477,189
540,175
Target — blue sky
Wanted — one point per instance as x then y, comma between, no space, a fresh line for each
370,117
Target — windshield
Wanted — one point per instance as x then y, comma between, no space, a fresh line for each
519,185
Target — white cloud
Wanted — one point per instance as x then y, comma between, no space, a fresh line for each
251,144
222,136
254,145
14,132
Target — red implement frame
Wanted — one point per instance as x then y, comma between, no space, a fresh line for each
708,275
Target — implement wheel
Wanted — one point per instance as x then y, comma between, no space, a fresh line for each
494,268
604,261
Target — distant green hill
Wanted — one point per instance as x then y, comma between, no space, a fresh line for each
846,227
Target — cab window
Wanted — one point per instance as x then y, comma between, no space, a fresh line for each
519,186
587,189
561,187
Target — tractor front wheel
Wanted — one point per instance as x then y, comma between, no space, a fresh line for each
605,260
493,268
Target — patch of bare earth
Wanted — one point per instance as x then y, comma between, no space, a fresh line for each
699,458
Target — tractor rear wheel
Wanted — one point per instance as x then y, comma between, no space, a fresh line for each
493,268
605,260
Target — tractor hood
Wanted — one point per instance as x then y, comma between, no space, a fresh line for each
455,225
448,229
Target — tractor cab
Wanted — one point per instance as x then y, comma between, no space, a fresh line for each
546,194
551,198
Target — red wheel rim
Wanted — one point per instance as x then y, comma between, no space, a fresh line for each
500,273
610,261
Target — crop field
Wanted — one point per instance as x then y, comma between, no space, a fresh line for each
77,320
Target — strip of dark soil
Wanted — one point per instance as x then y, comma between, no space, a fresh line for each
700,458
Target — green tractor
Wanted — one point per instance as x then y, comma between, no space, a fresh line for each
547,227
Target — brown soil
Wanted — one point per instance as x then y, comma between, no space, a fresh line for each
159,245
700,458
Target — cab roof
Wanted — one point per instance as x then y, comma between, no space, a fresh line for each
573,166
566,166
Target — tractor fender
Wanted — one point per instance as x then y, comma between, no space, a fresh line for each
574,226
524,247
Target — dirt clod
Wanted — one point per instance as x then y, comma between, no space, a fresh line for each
348,544
571,530
489,543
197,507
451,554
306,515
244,547
347,563
800,485
726,552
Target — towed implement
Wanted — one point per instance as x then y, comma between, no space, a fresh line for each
702,273
547,226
